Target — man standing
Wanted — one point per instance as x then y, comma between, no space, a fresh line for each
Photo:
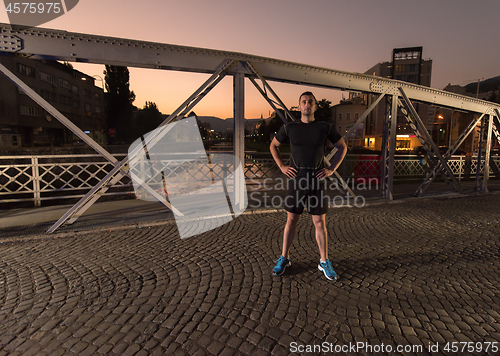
305,186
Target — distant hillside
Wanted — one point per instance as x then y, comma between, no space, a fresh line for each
491,84
215,123
220,125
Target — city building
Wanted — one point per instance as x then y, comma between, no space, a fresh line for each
24,123
346,114
406,65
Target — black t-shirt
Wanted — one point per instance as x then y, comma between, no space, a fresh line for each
307,143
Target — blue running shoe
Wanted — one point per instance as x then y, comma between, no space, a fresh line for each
327,269
281,264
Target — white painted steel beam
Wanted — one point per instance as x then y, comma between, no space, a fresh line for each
263,92
239,135
385,156
429,141
486,169
76,47
480,149
392,146
495,128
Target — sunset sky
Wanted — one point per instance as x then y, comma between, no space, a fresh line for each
460,36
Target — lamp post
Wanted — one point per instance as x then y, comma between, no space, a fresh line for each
96,76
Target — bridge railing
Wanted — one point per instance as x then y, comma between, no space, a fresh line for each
59,177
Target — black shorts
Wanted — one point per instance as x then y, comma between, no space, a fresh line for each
306,190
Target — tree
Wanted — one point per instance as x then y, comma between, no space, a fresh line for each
119,101
147,119
324,111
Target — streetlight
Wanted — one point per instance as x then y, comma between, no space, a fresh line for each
96,77
100,78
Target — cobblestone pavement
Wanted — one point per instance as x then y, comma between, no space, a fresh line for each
419,273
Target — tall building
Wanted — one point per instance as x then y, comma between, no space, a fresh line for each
407,65
24,123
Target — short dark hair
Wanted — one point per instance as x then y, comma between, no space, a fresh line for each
310,94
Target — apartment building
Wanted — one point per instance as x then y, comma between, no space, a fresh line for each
24,123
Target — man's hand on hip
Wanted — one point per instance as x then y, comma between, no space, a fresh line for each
289,171
323,173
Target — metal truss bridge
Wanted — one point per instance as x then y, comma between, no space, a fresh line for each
51,44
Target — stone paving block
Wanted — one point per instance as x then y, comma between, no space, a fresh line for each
79,347
120,348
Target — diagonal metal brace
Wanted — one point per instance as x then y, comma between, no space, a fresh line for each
433,146
495,128
355,126
432,175
103,185
263,92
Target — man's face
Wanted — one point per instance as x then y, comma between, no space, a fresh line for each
307,105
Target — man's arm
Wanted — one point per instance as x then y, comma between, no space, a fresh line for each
337,160
287,170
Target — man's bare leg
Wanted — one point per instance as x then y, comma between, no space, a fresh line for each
289,233
321,236
325,265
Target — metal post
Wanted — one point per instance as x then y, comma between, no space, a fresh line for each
392,146
36,181
479,182
385,141
487,156
239,134
460,168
